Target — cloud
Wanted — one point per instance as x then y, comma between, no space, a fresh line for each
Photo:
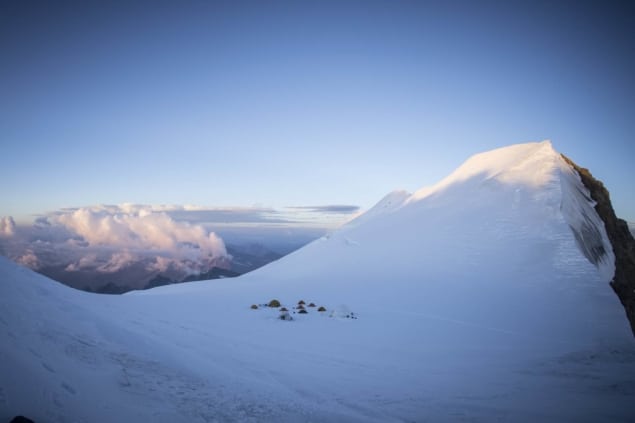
231,215
118,261
108,239
28,259
330,209
7,226
142,230
83,263
219,216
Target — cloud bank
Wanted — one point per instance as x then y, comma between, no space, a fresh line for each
109,239
141,231
7,227
331,209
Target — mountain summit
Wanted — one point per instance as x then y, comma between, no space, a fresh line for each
484,297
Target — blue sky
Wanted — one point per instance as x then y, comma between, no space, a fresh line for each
279,104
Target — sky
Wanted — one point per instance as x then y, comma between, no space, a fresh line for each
301,104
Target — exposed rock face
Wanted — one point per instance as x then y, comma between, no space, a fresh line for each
622,240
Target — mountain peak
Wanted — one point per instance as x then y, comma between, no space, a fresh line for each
526,188
528,164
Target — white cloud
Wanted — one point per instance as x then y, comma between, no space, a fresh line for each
110,238
7,226
28,259
140,229
117,262
160,264
84,262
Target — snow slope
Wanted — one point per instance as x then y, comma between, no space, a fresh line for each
474,300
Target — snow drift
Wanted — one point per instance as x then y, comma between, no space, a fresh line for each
484,297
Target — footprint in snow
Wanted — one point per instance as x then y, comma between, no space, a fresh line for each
35,353
48,367
68,388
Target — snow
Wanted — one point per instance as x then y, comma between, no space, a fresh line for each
391,202
473,301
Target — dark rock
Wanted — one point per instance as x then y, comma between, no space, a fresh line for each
303,311
622,241
21,419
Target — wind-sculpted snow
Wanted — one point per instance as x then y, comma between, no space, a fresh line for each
475,303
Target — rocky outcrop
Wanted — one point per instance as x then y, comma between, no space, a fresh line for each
622,241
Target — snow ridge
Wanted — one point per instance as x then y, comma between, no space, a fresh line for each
530,166
391,202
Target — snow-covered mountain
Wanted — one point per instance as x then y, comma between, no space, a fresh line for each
485,297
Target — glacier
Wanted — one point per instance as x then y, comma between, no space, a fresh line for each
484,297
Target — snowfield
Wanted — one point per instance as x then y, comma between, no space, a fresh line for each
482,298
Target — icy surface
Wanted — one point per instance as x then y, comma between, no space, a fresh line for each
472,302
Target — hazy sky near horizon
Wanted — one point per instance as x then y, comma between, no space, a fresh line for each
285,104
